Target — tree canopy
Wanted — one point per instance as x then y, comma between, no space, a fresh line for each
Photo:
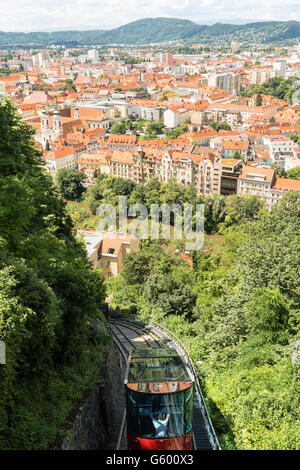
70,183
47,291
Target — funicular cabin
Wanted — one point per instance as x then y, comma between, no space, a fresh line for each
159,400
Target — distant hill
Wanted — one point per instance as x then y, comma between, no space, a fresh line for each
265,32
152,30
156,30
45,39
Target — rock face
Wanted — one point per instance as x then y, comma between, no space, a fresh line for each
88,429
91,425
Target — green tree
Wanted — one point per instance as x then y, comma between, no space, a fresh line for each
70,183
153,128
293,173
118,128
68,84
123,187
220,125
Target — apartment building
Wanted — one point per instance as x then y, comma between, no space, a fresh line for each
265,184
61,158
278,144
231,82
176,117
98,162
231,146
257,182
279,147
146,109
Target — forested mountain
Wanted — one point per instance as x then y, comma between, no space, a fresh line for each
155,30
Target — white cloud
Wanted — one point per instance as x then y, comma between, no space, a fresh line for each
32,15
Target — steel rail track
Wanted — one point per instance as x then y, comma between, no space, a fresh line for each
147,335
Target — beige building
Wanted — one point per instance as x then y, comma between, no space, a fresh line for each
231,82
107,250
265,184
99,161
258,182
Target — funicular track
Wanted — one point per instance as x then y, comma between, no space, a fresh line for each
131,334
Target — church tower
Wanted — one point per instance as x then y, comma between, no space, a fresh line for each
44,121
45,128
57,123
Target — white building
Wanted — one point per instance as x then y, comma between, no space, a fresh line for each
291,162
174,118
58,159
49,132
278,144
279,67
93,55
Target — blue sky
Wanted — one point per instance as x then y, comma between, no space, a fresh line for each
41,15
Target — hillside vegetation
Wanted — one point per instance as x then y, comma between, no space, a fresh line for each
237,312
48,297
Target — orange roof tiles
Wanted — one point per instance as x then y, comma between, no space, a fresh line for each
121,139
121,156
235,145
284,184
267,172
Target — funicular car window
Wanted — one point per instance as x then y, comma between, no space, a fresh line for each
188,409
161,415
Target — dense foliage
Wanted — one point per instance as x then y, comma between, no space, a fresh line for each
220,212
237,311
48,293
220,125
278,87
70,183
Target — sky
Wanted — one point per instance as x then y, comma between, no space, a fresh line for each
53,15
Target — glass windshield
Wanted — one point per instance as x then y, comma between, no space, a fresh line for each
158,415
156,365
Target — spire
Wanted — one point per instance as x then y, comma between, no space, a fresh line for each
56,111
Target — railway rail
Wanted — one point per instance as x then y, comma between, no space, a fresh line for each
131,334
